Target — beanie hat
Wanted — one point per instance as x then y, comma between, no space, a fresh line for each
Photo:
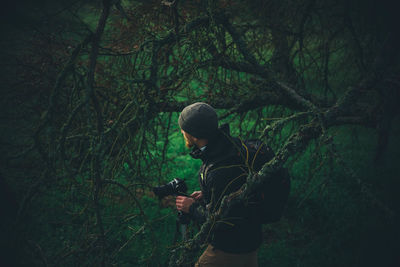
199,120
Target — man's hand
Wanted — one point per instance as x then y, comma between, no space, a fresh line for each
197,195
184,203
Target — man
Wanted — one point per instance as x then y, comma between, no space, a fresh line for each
234,240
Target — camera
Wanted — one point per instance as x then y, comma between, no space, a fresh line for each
176,187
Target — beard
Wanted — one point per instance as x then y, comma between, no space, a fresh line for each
189,142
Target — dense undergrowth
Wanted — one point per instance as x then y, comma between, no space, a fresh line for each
89,125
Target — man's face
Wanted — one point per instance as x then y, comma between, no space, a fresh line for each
189,140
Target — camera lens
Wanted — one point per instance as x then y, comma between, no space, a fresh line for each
175,187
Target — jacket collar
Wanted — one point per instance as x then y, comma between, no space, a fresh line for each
218,147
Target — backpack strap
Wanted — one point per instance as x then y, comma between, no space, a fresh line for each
246,158
256,154
215,166
203,174
247,153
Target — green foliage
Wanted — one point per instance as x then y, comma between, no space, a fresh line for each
80,165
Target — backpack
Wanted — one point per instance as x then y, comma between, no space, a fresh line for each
270,200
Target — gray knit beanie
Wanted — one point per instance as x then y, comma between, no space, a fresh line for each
200,120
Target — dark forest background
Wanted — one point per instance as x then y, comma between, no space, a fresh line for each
90,96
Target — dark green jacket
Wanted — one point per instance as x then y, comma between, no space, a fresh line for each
223,171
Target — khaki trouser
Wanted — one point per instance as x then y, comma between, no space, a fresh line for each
213,257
